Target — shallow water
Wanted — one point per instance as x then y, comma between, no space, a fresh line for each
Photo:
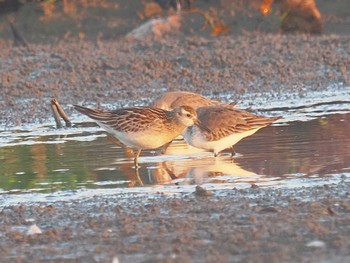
41,163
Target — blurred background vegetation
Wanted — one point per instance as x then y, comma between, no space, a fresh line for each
52,20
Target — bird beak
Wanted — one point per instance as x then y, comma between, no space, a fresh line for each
200,125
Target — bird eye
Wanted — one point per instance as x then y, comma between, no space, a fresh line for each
188,115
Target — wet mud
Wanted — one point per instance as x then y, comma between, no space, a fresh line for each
122,72
247,225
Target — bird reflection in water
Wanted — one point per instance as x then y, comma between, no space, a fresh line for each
183,164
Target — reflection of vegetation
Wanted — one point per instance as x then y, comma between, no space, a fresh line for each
42,166
317,147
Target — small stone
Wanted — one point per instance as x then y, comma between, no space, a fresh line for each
33,230
200,191
330,211
316,244
268,209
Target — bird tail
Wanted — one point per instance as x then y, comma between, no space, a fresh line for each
92,113
263,121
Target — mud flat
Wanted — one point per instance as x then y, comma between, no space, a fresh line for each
310,224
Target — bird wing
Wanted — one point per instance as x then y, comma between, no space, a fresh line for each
126,119
223,121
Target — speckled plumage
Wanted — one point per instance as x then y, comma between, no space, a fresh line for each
173,99
227,127
143,127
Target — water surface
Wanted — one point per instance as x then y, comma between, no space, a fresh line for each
43,163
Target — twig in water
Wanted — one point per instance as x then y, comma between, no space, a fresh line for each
59,112
56,116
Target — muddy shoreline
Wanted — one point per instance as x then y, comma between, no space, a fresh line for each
246,225
107,68
124,73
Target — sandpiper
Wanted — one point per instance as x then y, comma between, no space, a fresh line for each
143,127
173,99
224,128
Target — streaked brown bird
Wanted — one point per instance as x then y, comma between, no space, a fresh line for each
224,128
143,127
173,99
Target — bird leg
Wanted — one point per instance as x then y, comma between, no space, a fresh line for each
233,152
165,147
136,158
137,176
